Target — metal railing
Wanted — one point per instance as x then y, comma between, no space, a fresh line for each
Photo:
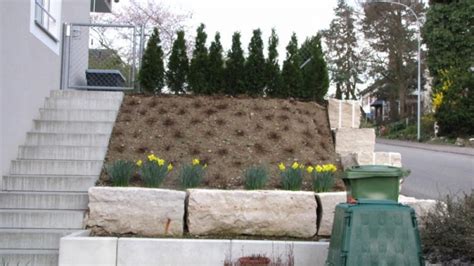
101,56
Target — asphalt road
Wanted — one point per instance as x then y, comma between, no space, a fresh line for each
434,172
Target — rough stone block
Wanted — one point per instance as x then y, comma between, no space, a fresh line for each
344,114
270,213
355,140
141,211
421,206
329,201
371,158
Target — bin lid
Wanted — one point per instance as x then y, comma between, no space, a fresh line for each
368,171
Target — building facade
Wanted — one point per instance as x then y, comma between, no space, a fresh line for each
30,61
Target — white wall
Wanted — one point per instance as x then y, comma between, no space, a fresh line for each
30,68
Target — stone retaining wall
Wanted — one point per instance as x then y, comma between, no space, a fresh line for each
141,211
371,158
343,113
161,212
265,213
354,140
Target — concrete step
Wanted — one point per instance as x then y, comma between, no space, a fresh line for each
62,152
91,127
86,94
78,115
47,219
30,257
32,238
56,167
44,200
81,103
67,139
68,183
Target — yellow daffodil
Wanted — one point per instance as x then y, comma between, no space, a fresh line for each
196,161
295,165
282,167
319,169
310,169
160,162
170,167
139,163
326,168
152,157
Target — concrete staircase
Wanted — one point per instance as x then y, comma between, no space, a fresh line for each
45,194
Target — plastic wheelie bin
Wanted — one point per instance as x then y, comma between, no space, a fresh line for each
378,182
374,232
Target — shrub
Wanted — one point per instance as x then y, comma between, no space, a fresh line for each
191,175
255,177
448,230
120,172
153,171
322,177
292,177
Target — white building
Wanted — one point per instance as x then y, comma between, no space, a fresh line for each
30,61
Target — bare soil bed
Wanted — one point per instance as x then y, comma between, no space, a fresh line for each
229,134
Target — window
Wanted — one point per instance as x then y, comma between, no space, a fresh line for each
44,19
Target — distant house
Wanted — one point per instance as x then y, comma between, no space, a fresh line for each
30,50
377,109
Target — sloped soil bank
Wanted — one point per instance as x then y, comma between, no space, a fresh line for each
230,134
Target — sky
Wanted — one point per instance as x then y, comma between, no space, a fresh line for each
304,17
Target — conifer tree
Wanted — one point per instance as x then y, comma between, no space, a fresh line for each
343,56
314,70
255,65
176,76
392,59
292,78
216,66
151,75
273,78
235,68
199,66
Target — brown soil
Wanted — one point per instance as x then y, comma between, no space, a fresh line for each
229,134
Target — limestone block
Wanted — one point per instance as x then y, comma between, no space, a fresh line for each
141,211
265,213
355,140
371,158
329,201
364,158
344,113
421,206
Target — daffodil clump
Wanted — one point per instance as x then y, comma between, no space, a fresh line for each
323,177
291,177
153,170
191,175
120,172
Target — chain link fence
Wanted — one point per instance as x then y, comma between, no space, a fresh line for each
101,57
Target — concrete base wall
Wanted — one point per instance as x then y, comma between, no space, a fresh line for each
80,249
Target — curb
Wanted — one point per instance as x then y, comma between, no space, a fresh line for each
428,147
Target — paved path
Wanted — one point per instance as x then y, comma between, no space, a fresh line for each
436,170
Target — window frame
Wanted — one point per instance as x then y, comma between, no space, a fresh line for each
43,17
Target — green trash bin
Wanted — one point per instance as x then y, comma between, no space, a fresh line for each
377,182
374,232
